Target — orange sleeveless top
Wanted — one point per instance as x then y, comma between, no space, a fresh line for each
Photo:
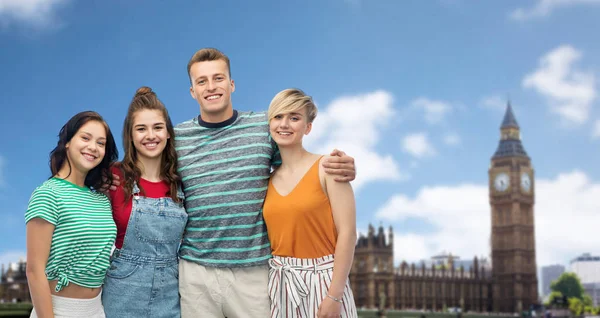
300,224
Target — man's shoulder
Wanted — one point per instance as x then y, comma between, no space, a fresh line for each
185,124
188,129
252,120
252,115
251,112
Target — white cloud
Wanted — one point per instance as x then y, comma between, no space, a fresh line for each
596,131
354,124
418,145
494,102
435,110
36,13
570,92
419,248
11,257
544,8
452,139
566,205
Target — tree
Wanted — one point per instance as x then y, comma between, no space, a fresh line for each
569,285
576,306
587,300
588,309
552,298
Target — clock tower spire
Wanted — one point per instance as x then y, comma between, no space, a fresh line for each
512,198
510,137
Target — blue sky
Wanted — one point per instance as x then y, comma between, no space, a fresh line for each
414,90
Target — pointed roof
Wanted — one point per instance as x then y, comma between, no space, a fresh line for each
509,118
510,147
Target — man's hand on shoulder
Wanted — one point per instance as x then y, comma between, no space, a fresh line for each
341,165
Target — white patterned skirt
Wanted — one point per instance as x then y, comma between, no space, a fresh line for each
297,286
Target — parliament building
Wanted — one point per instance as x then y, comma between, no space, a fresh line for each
13,283
510,285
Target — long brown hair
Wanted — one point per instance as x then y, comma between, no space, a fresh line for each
146,99
100,175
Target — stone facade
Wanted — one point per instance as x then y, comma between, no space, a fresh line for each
13,283
376,283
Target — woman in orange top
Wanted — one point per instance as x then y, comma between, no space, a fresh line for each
311,221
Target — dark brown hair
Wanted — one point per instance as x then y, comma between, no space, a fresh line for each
146,99
208,54
99,175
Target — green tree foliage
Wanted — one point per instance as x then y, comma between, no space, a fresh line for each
587,300
553,295
576,306
569,285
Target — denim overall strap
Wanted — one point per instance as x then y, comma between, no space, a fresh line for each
135,191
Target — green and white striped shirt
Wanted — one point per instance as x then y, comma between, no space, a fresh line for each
84,232
225,171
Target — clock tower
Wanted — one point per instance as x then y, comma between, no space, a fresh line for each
512,198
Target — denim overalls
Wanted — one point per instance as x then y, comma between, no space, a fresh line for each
143,277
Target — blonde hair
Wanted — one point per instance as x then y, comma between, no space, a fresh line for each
292,100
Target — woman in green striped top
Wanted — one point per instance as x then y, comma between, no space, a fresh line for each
70,229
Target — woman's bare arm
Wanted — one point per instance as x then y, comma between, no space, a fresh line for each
39,240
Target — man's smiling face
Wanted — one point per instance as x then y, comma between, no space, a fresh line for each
212,88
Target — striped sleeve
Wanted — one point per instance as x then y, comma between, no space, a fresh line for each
42,204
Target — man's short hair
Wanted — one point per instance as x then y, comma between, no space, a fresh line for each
208,54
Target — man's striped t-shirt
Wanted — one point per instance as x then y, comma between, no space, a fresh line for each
84,231
225,171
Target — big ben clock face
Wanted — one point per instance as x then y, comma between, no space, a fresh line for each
501,182
525,182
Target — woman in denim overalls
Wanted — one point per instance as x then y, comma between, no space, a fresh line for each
148,209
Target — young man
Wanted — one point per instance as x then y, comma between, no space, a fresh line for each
225,157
